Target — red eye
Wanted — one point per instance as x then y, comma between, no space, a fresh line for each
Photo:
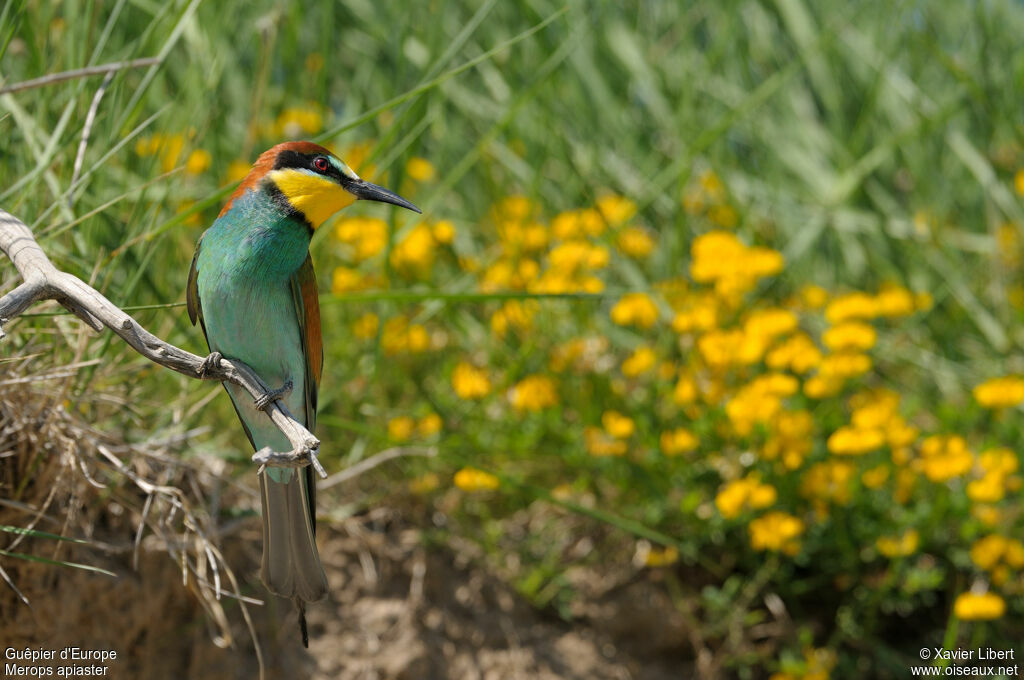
320,163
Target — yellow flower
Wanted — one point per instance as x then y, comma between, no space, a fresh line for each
899,546
720,258
661,557
770,323
420,169
534,393
899,434
875,477
401,428
894,301
988,515
1018,181
991,488
198,162
470,479
853,441
346,279
470,382
515,207
1000,392
297,122
572,256
600,443
635,242
798,354
641,361
400,337
513,314
417,338
828,481
844,365
759,401
635,309
365,327
776,531
618,425
685,391
429,425
237,170
979,606
443,231
874,408
366,235
987,552
700,313
147,146
678,441
721,348
415,252
820,387
813,296
566,354
945,457
616,210
790,440
849,307
997,466
567,225
1001,460
850,335
744,494
168,147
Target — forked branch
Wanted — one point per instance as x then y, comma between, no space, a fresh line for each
43,281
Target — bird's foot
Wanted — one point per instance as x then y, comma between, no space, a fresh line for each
305,454
210,363
273,395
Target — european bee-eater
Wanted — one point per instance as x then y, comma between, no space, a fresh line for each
253,289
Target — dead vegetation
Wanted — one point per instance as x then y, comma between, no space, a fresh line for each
182,603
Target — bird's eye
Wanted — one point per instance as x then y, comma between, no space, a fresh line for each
320,163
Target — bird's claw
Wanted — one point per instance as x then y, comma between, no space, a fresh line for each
210,363
272,396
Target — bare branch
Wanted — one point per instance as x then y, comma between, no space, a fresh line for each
43,281
90,118
52,78
373,461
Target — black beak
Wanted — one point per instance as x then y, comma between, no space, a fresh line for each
366,191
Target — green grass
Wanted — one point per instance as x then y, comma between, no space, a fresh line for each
869,143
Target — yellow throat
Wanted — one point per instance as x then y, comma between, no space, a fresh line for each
315,197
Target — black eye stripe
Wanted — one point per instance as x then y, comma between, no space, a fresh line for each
300,161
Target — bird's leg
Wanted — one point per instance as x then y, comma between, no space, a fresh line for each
273,395
210,363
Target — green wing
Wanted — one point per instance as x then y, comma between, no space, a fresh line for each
195,313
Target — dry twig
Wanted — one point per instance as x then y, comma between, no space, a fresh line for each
52,78
43,281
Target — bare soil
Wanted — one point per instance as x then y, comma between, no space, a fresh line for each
396,610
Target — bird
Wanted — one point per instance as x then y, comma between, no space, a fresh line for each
253,290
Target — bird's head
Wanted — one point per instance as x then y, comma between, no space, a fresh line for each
312,181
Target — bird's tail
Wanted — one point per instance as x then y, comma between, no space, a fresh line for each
291,564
